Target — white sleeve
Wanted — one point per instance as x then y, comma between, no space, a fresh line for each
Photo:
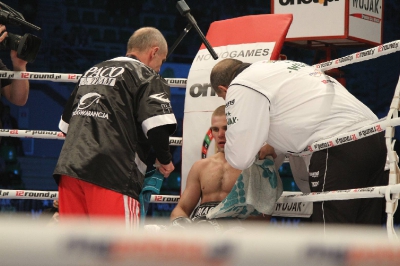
247,114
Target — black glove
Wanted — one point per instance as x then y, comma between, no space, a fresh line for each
181,222
211,224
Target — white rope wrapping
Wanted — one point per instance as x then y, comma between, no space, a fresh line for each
392,200
351,136
58,77
356,193
43,134
368,54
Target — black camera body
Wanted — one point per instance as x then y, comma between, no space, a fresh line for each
27,46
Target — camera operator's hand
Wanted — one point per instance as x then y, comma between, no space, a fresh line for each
18,64
17,92
3,32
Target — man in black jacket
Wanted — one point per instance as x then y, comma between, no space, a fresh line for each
118,110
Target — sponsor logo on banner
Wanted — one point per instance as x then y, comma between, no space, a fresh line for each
42,132
74,76
245,52
201,90
177,142
344,59
32,194
4,193
236,53
369,52
370,131
299,2
325,64
373,6
168,199
384,47
25,75
5,75
366,17
293,209
176,81
345,139
323,145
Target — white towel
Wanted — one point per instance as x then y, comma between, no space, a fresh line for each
256,191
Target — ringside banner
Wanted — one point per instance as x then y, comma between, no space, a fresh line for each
365,20
339,20
313,18
201,100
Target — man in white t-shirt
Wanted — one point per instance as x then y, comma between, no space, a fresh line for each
291,105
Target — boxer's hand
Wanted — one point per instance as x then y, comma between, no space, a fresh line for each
265,151
181,223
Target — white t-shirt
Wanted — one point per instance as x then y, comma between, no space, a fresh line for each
289,105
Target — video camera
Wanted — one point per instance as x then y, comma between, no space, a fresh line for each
27,46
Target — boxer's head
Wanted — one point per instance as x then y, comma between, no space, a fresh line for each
218,127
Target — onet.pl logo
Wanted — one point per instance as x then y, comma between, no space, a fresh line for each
293,2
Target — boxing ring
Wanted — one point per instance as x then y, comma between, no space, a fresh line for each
351,253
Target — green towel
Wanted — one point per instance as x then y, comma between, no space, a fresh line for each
256,191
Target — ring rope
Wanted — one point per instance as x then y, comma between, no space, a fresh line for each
351,136
43,134
287,196
394,172
368,54
59,77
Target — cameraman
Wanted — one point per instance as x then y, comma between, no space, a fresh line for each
15,90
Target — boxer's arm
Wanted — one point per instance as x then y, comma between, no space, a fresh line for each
191,195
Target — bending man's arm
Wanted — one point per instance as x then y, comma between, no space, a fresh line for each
247,114
192,194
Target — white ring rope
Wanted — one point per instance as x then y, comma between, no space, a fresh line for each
287,196
351,136
368,54
58,77
43,134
